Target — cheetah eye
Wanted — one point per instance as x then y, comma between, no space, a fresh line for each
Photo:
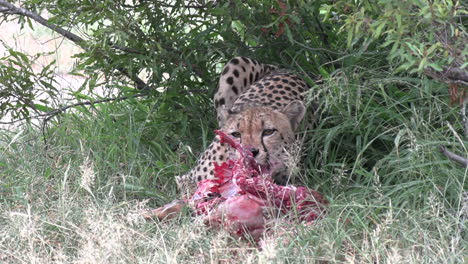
236,134
268,132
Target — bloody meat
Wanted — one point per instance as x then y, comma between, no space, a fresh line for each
242,193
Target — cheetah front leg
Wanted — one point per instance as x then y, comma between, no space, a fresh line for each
204,169
216,153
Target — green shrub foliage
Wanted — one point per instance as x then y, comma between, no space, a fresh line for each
373,59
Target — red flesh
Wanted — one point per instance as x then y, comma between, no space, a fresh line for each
241,189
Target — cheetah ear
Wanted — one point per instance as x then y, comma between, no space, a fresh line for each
295,111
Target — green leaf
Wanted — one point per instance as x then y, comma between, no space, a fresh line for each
42,108
422,64
48,85
288,33
295,18
435,67
324,73
404,66
379,29
81,96
272,23
432,48
349,39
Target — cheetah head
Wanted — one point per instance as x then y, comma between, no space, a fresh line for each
266,132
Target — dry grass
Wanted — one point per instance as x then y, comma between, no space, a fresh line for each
67,219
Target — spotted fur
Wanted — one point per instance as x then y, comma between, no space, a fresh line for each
261,106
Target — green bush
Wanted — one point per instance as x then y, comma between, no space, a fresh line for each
71,189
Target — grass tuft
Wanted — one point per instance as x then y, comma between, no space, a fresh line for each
373,153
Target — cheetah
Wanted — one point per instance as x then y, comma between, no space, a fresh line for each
259,105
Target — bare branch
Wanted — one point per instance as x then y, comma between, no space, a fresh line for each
12,9
57,111
456,74
9,8
449,75
454,157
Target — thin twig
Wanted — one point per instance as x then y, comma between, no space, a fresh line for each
55,112
449,75
194,6
50,114
454,157
455,73
463,115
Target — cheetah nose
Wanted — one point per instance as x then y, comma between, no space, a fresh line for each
254,152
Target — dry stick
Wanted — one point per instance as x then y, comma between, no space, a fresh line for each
449,75
55,112
454,157
456,73
463,115
12,9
